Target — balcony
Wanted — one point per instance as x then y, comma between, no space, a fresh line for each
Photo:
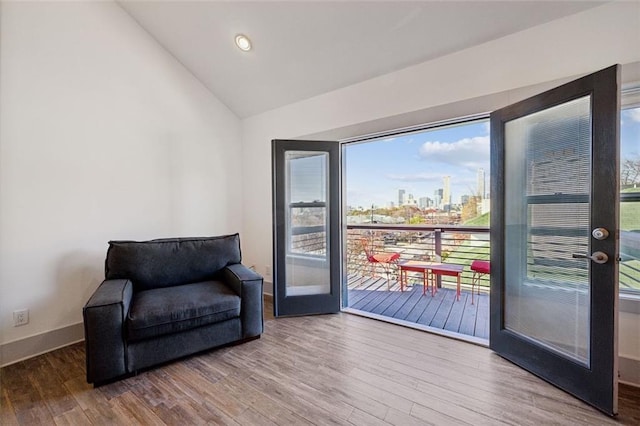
372,291
373,288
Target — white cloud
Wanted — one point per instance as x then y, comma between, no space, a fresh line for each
634,114
415,177
470,153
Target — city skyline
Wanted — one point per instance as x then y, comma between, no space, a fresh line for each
439,199
417,163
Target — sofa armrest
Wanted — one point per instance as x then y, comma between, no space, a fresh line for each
248,285
104,316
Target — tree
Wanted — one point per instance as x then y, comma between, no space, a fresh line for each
630,174
416,220
470,210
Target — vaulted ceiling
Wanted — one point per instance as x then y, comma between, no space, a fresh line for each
305,48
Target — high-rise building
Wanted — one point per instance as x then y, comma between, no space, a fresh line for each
424,202
401,196
481,184
437,198
446,191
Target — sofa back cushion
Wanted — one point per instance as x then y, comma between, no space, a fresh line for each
170,261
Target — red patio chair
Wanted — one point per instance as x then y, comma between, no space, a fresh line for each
479,268
386,260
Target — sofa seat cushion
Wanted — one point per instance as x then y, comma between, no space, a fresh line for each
174,309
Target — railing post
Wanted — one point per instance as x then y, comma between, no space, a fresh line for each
438,244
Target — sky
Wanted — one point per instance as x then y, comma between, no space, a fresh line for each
417,162
630,133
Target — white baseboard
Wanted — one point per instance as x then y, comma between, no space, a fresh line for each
267,287
32,346
629,369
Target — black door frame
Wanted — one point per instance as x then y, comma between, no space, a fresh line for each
284,305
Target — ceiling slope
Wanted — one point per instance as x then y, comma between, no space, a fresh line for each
304,49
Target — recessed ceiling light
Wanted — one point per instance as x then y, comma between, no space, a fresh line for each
243,42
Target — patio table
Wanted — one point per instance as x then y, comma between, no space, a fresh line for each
430,270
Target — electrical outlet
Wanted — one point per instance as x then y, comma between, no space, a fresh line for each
267,270
20,317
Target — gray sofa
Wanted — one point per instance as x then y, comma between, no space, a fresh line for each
168,298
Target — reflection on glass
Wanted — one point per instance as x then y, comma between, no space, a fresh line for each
307,263
548,161
309,231
308,176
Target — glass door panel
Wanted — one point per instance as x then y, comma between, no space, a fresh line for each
547,219
307,261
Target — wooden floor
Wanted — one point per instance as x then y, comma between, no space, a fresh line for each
441,311
330,369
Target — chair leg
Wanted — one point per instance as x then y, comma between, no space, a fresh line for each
387,270
473,283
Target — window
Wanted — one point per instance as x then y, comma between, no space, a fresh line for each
630,198
408,192
437,174
307,203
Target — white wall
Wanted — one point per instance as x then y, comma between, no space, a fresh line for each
575,45
103,135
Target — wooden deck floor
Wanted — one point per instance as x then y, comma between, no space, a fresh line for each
441,311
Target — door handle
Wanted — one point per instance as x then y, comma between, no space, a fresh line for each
597,257
600,233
